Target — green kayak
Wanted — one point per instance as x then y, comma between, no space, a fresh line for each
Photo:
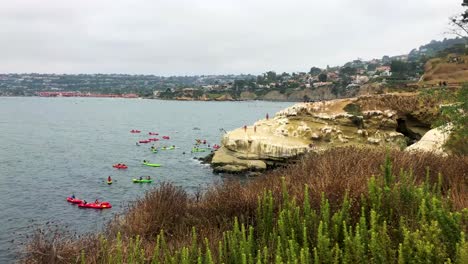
152,164
169,148
198,150
142,181
154,150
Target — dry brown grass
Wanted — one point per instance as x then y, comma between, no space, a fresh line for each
333,173
402,103
437,70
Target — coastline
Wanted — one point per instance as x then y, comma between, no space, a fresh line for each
387,121
162,99
349,147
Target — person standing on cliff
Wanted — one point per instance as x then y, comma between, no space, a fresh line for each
267,116
245,128
255,129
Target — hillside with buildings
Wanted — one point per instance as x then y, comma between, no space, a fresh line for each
423,66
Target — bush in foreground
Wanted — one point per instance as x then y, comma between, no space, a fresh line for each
327,208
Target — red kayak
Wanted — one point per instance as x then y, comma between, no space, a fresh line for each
103,205
153,139
135,131
153,133
121,166
166,137
144,141
74,200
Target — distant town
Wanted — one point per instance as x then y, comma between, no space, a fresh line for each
357,76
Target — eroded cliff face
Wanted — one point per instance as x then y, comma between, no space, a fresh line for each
383,120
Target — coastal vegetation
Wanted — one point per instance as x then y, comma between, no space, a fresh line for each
453,116
346,205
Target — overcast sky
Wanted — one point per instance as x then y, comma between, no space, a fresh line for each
187,37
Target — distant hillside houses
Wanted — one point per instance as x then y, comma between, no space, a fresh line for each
401,70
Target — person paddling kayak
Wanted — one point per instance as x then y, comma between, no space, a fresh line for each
109,179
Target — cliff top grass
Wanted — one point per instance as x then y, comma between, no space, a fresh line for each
446,70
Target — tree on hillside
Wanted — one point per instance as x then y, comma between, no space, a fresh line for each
315,71
271,76
371,67
322,77
398,67
459,25
261,79
386,59
348,71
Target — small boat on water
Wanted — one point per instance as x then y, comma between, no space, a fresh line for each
198,150
168,148
74,200
102,205
120,166
151,164
142,181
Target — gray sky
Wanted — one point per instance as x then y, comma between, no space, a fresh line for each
187,37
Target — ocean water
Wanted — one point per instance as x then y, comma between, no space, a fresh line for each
53,147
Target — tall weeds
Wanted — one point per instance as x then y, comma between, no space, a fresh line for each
345,206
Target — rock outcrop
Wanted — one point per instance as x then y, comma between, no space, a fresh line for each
382,120
433,141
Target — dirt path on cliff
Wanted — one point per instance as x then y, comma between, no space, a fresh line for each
264,130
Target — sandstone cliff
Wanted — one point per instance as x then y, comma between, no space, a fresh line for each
432,141
391,120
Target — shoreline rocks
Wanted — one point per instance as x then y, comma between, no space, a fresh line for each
307,127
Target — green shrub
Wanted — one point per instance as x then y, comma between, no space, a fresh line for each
399,221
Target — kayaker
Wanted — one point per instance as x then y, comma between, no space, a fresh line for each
96,202
73,196
144,161
141,178
148,177
109,179
84,202
137,144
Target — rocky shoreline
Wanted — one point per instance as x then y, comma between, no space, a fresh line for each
389,121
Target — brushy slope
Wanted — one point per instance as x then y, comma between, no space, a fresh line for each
342,206
442,69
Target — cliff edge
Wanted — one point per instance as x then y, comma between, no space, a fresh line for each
391,120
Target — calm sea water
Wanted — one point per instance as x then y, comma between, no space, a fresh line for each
53,147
